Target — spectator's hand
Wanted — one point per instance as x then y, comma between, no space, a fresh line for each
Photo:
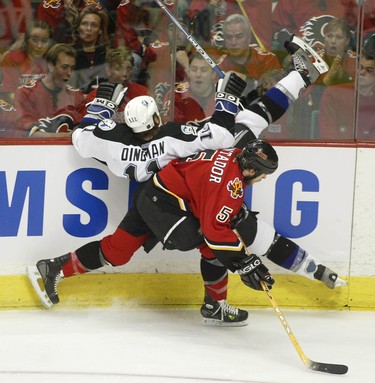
183,59
335,73
71,11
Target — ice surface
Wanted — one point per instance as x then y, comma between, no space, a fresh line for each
171,345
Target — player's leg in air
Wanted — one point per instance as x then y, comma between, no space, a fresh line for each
262,239
257,114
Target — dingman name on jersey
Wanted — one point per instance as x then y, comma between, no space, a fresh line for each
134,154
219,165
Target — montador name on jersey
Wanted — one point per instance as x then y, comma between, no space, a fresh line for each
219,165
133,153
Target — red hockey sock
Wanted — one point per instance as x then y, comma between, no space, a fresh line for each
73,266
218,290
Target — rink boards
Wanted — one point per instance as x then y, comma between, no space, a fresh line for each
52,201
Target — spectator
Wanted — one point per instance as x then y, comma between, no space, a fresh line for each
242,57
307,18
207,18
195,100
62,15
21,66
15,15
300,121
340,126
49,106
160,69
90,39
137,26
119,65
336,53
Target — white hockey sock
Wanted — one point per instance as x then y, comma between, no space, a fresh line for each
291,85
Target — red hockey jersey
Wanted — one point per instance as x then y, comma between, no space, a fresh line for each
211,186
35,101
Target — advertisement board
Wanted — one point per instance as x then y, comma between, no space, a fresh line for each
52,201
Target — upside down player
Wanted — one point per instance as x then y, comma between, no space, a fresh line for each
104,139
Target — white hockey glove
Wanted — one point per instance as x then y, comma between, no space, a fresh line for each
108,98
253,271
228,92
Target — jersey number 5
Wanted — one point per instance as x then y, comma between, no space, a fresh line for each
224,214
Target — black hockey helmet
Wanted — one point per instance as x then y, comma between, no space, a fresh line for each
260,156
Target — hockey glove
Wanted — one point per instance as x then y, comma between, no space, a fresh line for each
228,93
253,271
105,104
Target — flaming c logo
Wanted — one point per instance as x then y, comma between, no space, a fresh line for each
312,30
235,188
51,3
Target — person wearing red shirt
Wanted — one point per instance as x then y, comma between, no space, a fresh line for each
307,18
26,64
195,100
15,15
62,14
207,17
49,107
119,64
299,123
341,126
240,56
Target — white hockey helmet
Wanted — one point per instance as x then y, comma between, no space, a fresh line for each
139,113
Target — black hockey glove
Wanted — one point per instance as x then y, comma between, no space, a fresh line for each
253,271
108,98
228,92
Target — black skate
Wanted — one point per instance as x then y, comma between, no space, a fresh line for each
220,313
305,60
45,276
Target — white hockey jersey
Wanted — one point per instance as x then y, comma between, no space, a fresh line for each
126,156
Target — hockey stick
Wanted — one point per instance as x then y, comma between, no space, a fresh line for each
329,368
190,38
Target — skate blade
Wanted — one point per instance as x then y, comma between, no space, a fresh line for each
37,283
220,323
340,283
318,62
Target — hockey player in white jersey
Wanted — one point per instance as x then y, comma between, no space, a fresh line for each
140,152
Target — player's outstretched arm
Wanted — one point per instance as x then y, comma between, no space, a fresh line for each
227,100
108,98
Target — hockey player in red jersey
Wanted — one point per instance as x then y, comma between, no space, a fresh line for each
102,142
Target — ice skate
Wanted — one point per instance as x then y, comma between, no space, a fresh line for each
220,313
328,277
45,276
305,60
313,269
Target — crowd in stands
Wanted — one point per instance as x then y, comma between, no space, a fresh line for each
55,53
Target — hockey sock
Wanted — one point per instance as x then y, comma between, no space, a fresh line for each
291,85
73,266
215,277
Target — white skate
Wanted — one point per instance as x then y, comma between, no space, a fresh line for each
306,60
38,285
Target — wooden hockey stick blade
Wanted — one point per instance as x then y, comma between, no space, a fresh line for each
329,368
